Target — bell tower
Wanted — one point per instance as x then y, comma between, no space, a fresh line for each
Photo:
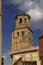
23,51
22,34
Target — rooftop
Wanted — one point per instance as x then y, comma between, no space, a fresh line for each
22,15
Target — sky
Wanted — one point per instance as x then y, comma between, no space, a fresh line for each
10,8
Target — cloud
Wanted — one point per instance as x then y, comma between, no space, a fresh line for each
32,7
35,14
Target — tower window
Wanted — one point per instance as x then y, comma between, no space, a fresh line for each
20,20
22,33
18,33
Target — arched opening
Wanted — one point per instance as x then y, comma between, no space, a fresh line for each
18,33
22,33
20,20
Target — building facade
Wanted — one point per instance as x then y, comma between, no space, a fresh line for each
41,48
23,51
0,32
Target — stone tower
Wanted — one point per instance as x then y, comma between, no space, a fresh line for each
0,32
22,34
23,52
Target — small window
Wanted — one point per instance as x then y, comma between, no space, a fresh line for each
18,33
22,33
20,20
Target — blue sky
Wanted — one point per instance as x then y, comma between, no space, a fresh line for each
10,8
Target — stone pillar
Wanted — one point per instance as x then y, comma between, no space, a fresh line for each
0,32
41,48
